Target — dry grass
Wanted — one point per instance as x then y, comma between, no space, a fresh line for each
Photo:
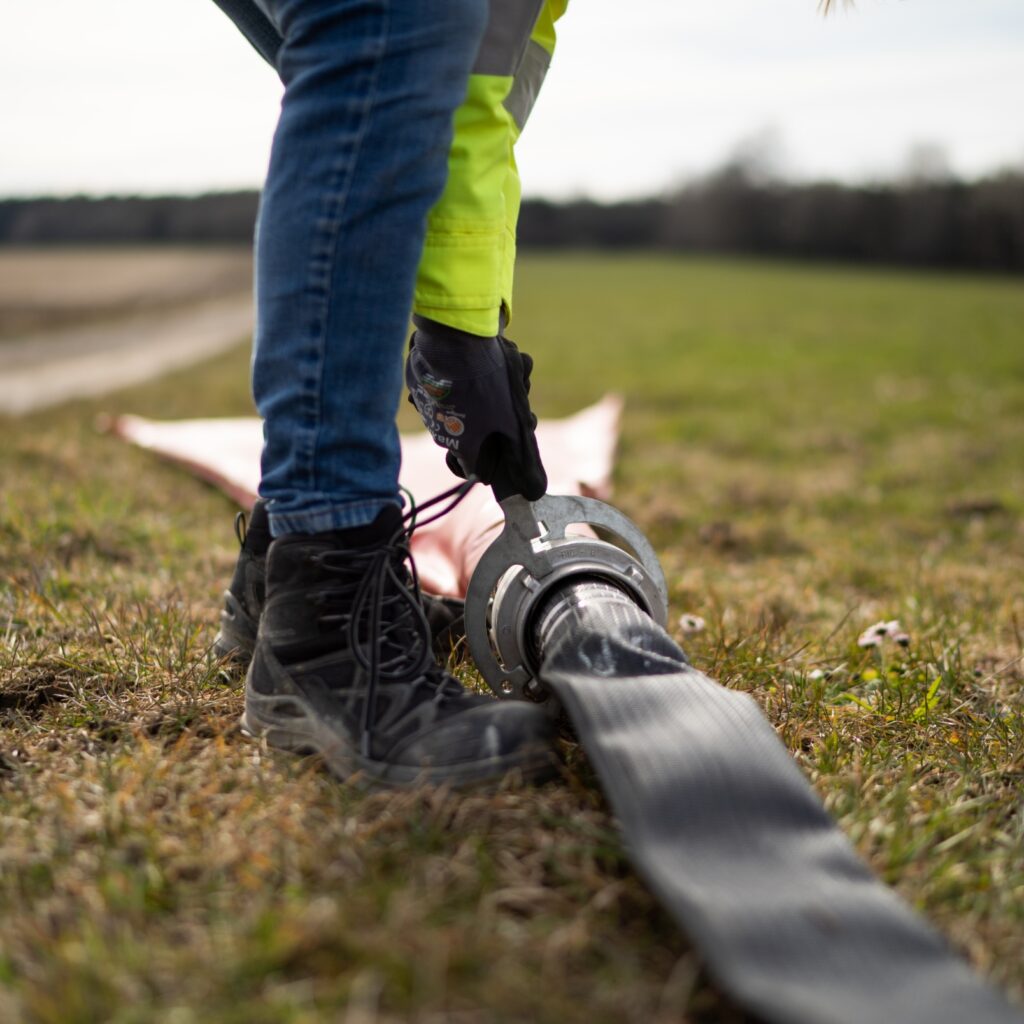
810,451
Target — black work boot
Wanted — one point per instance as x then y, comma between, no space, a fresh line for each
343,668
243,600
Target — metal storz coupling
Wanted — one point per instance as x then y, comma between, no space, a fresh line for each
534,557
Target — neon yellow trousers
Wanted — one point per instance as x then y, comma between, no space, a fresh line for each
466,272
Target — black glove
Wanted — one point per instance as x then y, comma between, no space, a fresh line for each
472,395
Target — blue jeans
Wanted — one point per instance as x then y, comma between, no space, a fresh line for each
358,160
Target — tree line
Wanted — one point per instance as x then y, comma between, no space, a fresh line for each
928,223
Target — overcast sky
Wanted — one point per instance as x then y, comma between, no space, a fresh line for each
164,95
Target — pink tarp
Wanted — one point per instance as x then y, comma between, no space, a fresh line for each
577,452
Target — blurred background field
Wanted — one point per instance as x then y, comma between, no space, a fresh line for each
812,448
42,288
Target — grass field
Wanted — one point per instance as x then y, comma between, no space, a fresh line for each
810,449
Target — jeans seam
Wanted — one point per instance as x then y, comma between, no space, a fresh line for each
327,241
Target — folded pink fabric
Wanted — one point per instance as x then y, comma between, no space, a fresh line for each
578,454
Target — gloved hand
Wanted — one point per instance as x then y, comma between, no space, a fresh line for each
471,393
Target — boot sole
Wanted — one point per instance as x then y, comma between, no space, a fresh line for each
299,730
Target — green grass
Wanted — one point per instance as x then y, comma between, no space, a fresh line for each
810,449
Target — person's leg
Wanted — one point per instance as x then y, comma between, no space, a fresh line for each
465,275
359,158
342,665
244,598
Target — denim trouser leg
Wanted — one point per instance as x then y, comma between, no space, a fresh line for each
358,159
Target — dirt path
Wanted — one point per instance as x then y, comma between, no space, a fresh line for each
45,369
64,287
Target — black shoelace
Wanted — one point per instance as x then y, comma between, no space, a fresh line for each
394,645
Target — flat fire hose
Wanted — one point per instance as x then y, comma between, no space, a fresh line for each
715,815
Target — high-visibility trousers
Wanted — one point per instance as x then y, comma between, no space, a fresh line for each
466,273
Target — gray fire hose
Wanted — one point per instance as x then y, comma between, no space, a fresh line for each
715,814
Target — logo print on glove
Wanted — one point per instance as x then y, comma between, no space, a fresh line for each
436,387
452,423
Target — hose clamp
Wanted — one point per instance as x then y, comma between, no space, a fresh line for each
536,552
